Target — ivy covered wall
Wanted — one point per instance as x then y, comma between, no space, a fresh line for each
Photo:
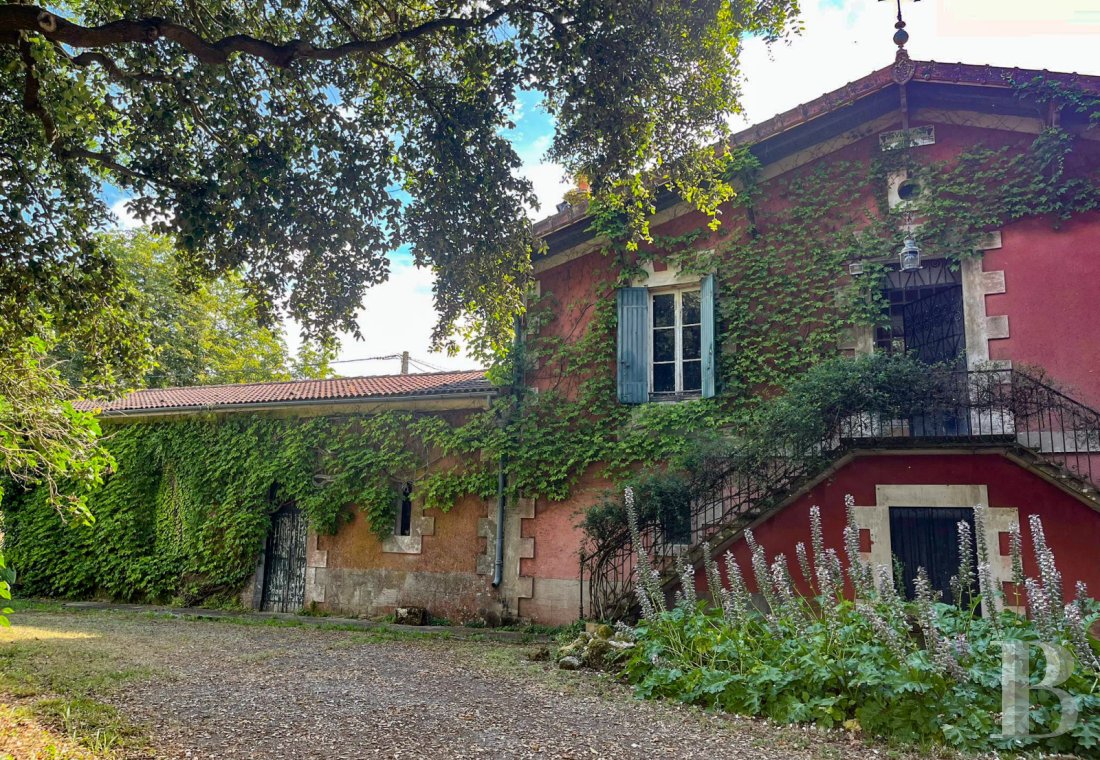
785,299
185,514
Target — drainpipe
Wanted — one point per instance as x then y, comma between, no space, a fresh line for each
498,564
502,479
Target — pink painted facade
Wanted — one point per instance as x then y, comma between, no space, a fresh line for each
1051,294
1029,298
1071,527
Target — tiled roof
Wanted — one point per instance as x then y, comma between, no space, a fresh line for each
924,71
296,391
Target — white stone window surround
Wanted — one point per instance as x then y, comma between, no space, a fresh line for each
420,525
978,326
668,280
876,520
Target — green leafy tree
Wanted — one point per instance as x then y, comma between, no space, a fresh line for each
45,441
298,144
199,333
272,138
313,361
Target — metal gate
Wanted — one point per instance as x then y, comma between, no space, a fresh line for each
928,537
284,588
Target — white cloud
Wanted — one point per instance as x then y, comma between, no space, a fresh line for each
845,41
126,220
548,179
550,185
396,316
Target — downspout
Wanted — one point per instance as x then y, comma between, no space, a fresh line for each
498,563
502,478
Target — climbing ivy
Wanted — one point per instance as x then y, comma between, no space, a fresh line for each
186,512
785,302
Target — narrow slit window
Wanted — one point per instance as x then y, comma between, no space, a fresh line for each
404,514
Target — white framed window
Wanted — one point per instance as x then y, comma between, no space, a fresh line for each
676,359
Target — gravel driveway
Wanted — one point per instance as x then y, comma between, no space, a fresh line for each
222,690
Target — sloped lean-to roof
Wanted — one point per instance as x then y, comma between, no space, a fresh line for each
296,392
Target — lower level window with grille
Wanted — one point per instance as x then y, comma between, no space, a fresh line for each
676,346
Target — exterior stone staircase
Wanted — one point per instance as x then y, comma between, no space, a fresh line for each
1007,412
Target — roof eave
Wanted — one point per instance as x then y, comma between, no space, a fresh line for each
800,116
135,414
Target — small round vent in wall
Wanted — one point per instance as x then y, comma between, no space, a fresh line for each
909,190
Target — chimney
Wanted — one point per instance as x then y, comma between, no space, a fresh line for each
404,362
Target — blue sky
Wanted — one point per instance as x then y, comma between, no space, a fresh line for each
843,41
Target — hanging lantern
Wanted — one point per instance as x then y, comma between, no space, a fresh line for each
909,256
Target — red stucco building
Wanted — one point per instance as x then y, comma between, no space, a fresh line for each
1013,313
1016,318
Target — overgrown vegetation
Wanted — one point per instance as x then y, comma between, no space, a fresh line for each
778,266
919,671
186,514
267,146
796,421
783,305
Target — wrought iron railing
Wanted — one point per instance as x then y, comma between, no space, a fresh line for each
1007,409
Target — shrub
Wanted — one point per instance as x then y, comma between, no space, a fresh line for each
917,671
796,422
664,495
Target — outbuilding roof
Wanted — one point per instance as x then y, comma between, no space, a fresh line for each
337,389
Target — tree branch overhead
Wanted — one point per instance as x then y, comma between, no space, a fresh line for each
32,19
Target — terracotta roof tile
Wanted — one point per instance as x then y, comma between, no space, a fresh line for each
336,389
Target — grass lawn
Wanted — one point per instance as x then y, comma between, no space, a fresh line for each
50,684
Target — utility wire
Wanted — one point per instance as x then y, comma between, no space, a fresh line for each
366,359
420,364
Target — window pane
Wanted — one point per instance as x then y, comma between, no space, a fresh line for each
664,345
691,308
691,342
693,376
664,310
664,378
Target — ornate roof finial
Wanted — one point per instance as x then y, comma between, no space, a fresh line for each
900,36
903,66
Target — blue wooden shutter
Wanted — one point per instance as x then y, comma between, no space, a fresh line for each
633,345
707,333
